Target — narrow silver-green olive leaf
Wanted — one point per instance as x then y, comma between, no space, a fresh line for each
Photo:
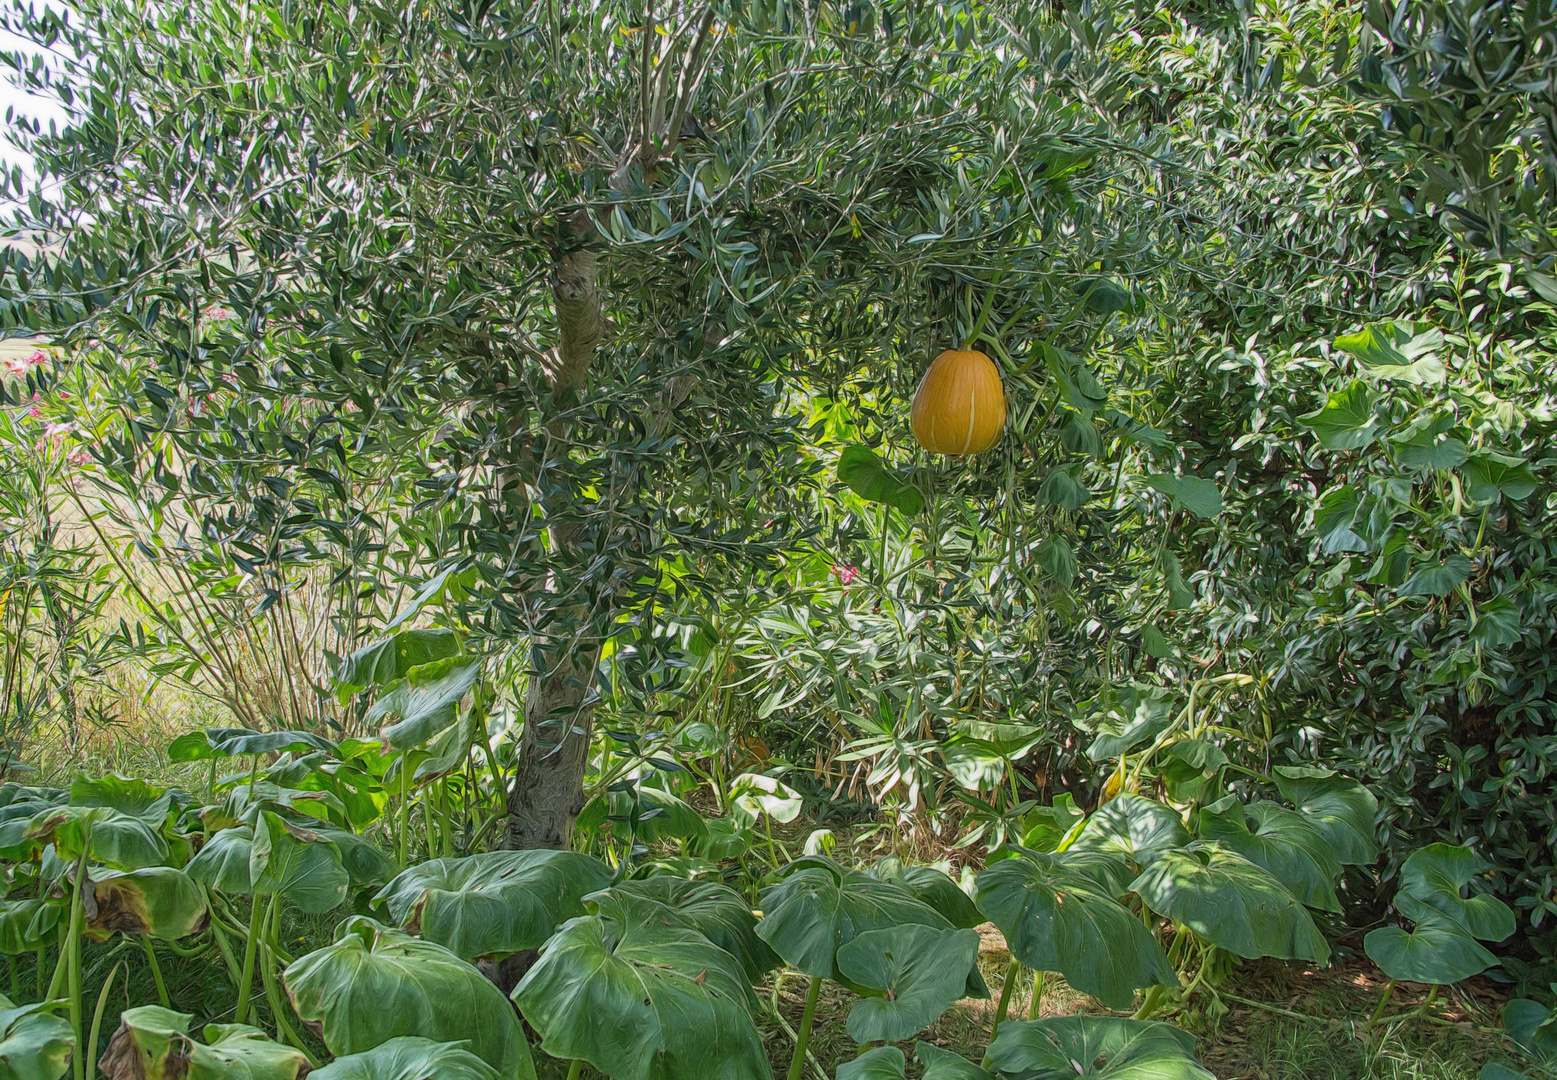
716,911
1437,950
26,925
917,971
120,840
882,1063
298,864
34,1043
159,900
1133,828
932,887
1232,903
409,1058
640,1000
223,863
944,1065
1282,841
154,1043
375,984
1435,874
1344,811
496,902
1055,919
1095,1048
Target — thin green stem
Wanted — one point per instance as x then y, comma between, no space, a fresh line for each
61,967
1032,1006
797,1063
1013,970
77,925
225,949
575,1068
1383,1001
278,1005
156,972
43,960
246,980
97,1022
1149,1006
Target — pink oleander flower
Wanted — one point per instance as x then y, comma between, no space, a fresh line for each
56,431
16,365
80,457
38,357
846,574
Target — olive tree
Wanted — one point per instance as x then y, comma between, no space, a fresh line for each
575,276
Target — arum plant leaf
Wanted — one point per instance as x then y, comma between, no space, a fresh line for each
1392,352
223,863
819,907
864,473
383,661
1196,494
661,815
296,863
911,974
1232,903
242,742
1437,578
716,911
426,700
135,798
1530,1025
1129,717
752,795
931,887
365,864
1095,1048
1434,876
409,1058
1056,919
34,1043
119,840
1347,421
944,1065
1133,828
375,984
1437,950
158,900
154,1043
26,925
882,1063
640,1000
1280,840
1489,474
493,903
1343,811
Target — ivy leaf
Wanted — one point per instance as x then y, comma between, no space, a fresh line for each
1346,422
864,474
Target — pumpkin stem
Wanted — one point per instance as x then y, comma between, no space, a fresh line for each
989,306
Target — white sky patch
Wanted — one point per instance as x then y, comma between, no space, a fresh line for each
45,110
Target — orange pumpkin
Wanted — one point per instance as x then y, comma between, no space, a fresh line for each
960,406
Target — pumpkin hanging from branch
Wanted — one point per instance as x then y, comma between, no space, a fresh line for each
960,406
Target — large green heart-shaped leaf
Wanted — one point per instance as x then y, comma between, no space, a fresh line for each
154,1043
1435,874
28,924
375,984
426,700
1437,950
496,902
133,797
34,1043
640,1000
932,887
1343,811
1232,903
18,807
1533,1029
241,742
867,477
819,907
223,863
661,815
120,840
917,971
409,1058
1282,841
1347,421
944,1065
298,864
1101,1047
1128,717
1133,828
1055,919
364,863
158,900
882,1063
387,659
716,911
